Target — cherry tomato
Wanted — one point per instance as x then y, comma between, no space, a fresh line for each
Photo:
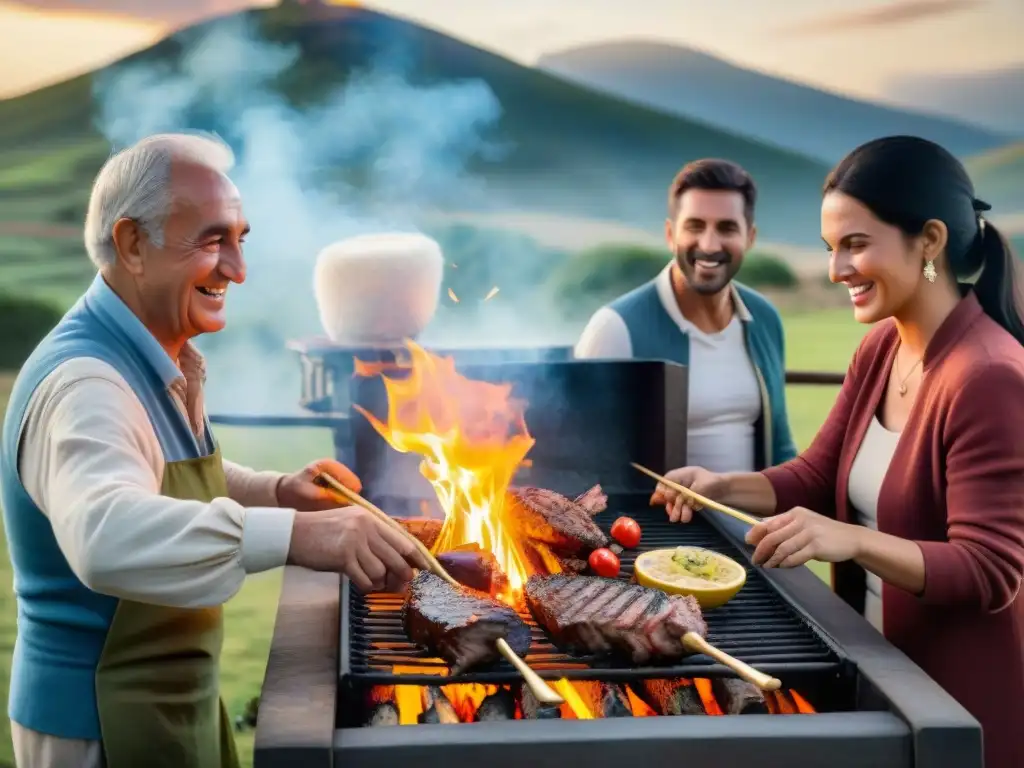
604,562
626,531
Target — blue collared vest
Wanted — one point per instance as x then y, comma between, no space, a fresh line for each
61,623
655,336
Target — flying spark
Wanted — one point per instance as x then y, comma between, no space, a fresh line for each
491,293
452,296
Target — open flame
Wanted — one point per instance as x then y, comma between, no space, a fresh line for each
580,697
472,436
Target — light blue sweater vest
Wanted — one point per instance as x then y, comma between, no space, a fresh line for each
62,624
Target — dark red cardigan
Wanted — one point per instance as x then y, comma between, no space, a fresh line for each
956,488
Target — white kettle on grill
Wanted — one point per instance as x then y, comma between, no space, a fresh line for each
375,290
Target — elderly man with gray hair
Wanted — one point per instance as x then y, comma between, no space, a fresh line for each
126,529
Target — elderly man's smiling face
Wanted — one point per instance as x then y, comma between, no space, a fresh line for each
182,283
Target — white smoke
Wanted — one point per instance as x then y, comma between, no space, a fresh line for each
411,145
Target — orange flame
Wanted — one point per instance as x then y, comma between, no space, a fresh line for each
473,437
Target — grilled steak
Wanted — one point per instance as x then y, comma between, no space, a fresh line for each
595,501
471,566
426,529
552,519
598,615
461,625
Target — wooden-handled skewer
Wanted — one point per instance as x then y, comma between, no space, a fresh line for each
697,644
692,640
694,496
543,692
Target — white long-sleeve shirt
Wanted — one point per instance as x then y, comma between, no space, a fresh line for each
92,463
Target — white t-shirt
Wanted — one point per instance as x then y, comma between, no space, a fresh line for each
724,394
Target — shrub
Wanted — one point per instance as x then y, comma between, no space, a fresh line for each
595,276
763,270
25,322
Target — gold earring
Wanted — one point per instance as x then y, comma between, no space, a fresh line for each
929,271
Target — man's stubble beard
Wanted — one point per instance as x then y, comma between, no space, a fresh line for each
688,270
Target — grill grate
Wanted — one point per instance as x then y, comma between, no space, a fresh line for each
757,626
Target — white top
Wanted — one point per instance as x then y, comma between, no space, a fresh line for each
866,475
92,463
724,394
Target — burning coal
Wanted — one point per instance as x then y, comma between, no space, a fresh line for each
584,700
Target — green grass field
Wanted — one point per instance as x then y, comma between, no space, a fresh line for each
822,340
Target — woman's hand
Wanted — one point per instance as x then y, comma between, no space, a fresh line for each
300,490
679,507
794,537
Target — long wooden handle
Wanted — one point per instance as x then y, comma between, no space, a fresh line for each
541,690
352,497
694,642
693,495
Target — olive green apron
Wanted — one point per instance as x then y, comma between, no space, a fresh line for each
157,680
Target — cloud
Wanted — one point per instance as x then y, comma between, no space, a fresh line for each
173,12
901,12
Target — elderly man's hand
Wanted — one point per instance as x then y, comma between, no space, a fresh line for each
299,491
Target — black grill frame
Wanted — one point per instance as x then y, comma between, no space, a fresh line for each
758,626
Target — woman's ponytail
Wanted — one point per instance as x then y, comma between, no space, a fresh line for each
999,288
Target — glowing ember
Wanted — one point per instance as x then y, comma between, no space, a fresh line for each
473,438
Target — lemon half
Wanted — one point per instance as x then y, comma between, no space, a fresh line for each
711,577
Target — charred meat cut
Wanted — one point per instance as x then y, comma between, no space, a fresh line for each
426,529
595,501
461,625
550,518
471,566
597,615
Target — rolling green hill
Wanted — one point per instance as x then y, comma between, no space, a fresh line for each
999,177
568,148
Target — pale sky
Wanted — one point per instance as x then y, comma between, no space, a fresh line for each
851,46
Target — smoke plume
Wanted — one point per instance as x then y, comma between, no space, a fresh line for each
411,144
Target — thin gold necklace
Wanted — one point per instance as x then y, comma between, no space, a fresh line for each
903,382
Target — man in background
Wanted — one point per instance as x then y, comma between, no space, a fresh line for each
694,313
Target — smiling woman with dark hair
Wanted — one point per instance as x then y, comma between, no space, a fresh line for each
916,479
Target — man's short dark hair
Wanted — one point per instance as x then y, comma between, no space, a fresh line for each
713,174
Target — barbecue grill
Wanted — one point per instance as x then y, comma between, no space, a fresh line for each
849,698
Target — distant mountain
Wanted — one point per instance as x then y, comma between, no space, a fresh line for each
698,86
569,148
994,99
999,178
